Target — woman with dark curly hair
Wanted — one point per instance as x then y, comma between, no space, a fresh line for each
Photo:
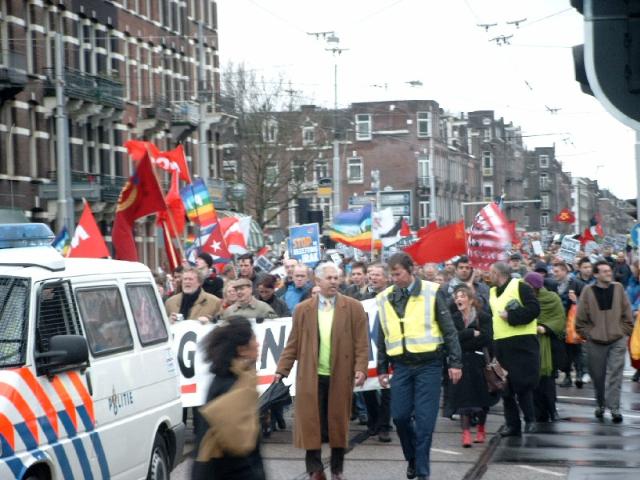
470,397
229,449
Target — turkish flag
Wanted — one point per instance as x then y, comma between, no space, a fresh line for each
432,226
87,240
175,214
233,234
141,196
439,245
170,160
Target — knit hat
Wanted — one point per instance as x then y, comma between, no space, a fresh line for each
541,267
208,259
534,279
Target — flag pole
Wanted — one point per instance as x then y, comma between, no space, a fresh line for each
373,237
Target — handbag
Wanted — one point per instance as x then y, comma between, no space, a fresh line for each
494,374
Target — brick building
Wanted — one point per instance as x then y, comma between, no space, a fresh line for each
130,70
499,148
546,182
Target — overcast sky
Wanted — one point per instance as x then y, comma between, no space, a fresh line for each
437,42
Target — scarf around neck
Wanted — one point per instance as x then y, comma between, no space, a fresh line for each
188,300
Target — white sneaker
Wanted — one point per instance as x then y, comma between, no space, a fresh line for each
586,378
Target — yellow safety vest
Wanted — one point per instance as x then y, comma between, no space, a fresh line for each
501,328
418,328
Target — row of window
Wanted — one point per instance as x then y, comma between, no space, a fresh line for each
364,128
103,316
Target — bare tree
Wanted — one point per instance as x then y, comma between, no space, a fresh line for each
275,142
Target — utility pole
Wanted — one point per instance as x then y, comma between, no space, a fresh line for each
333,41
203,151
65,214
432,172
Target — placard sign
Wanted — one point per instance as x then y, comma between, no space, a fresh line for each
569,248
304,243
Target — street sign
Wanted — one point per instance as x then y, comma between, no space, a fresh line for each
398,200
635,235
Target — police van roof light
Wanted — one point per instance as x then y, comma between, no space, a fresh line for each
14,235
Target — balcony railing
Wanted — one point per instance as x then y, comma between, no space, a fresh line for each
185,112
89,185
157,107
98,89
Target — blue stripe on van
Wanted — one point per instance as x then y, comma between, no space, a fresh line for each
77,445
30,444
95,440
58,449
14,463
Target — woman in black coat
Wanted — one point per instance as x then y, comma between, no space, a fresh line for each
231,341
470,396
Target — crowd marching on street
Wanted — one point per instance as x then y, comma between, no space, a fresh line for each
450,338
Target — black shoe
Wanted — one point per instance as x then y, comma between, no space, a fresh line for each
599,413
567,381
282,425
636,376
616,416
266,432
530,427
384,436
362,420
411,469
579,382
510,432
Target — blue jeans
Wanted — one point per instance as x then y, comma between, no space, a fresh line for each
415,399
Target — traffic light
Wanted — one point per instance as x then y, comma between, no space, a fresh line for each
608,64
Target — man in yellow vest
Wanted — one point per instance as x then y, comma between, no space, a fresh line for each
514,308
415,327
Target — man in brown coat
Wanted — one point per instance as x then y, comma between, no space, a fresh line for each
193,302
604,320
330,341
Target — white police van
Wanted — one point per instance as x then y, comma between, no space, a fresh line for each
89,388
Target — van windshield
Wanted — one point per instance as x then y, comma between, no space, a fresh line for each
14,309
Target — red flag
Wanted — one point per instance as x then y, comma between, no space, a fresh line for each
141,196
174,216
428,229
170,160
439,245
489,237
233,235
405,231
87,241
597,230
565,216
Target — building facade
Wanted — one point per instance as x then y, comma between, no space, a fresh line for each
128,69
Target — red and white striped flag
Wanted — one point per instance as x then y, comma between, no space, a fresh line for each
489,238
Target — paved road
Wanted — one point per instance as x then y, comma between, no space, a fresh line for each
578,448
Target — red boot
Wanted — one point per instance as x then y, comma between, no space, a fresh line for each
466,438
481,436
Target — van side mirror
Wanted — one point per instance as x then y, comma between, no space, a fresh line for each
66,352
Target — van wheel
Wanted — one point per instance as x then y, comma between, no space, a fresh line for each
159,466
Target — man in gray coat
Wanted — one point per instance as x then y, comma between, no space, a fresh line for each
604,320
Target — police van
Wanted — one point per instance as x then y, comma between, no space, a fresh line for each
89,387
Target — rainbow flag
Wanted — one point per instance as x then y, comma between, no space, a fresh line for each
198,204
353,228
62,242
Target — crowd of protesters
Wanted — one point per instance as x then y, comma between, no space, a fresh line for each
548,322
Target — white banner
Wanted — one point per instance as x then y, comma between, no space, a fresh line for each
272,335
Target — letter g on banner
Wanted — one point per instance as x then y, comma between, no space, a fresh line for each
187,354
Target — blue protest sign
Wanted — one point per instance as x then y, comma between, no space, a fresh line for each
635,235
304,243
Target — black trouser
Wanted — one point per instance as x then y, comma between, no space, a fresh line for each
313,458
574,357
378,410
511,402
544,399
